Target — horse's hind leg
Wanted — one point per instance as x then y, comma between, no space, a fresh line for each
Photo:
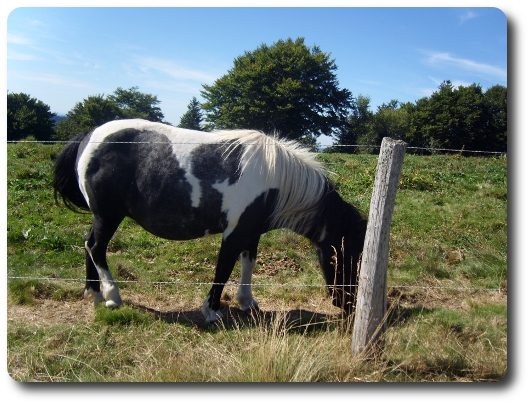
248,261
96,247
92,289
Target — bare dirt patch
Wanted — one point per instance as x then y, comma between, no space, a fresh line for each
48,312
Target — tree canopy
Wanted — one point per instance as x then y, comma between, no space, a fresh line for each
96,110
192,117
135,104
28,117
286,88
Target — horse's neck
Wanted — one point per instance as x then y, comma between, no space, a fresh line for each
328,218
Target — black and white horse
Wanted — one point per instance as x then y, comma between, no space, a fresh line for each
180,184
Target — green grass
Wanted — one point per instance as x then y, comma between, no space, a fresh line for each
449,230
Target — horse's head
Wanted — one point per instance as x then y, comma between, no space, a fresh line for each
339,255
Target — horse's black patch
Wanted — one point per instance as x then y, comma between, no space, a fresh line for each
137,171
211,163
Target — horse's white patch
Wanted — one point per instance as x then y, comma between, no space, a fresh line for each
238,196
92,296
110,293
209,314
244,293
182,142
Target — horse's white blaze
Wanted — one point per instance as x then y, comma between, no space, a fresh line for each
244,293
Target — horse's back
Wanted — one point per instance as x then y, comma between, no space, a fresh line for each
176,183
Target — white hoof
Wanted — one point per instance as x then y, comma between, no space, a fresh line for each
249,305
213,316
112,297
92,296
113,304
210,315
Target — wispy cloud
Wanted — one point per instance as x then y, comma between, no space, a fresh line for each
173,70
13,55
17,39
56,80
468,15
371,82
445,59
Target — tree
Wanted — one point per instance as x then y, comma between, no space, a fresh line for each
390,120
134,104
451,118
286,88
357,125
28,117
192,117
496,128
97,110
86,115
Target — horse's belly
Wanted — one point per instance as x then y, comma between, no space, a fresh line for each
184,224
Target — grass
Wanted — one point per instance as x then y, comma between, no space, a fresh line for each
449,231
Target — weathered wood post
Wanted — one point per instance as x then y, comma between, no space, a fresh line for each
370,310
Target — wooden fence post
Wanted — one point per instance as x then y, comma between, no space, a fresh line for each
370,310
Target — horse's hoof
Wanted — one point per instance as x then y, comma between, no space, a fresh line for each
214,316
93,296
254,309
113,304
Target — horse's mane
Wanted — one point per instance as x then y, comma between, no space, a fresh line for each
302,179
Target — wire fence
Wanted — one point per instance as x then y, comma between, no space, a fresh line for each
332,147
277,285
501,288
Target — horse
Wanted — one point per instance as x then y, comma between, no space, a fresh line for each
182,184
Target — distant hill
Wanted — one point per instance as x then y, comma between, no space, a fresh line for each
58,118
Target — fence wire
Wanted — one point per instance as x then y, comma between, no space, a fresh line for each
231,283
324,147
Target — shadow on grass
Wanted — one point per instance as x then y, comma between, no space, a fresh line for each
299,320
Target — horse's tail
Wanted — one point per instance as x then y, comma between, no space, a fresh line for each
65,183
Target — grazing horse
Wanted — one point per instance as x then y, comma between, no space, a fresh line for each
180,184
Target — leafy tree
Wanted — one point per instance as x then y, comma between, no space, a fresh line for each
97,110
496,127
357,125
286,88
192,117
134,104
86,115
391,121
460,118
28,117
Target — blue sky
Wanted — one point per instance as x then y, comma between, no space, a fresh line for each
63,55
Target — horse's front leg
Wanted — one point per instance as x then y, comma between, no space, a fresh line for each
248,261
225,264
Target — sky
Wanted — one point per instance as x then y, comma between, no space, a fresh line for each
62,55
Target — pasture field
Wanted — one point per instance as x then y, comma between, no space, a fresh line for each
447,291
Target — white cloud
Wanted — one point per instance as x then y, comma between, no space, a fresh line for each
173,70
12,55
467,16
442,59
17,39
49,79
